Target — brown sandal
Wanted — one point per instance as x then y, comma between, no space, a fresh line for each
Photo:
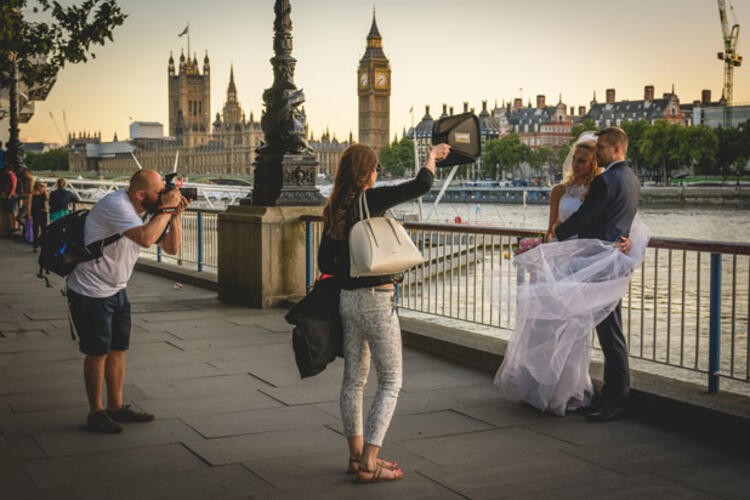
354,464
377,475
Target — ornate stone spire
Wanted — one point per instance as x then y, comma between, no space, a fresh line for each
284,157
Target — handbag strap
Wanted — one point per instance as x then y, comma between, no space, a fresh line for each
364,216
364,210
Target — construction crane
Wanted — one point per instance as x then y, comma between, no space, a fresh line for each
730,57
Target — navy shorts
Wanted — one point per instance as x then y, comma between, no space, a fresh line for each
102,324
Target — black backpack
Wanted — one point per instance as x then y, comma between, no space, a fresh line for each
63,247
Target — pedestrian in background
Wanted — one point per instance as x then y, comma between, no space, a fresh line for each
60,201
39,212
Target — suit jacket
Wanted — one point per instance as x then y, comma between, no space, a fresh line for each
608,210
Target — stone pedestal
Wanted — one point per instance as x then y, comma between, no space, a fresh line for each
262,254
298,181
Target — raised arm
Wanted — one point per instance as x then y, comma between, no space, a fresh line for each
149,233
382,198
171,243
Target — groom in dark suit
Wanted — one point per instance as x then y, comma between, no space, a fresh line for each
607,213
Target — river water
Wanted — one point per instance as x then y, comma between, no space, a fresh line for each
703,223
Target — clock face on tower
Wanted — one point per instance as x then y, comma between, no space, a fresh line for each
381,79
363,80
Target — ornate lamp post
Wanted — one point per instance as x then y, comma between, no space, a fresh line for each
285,168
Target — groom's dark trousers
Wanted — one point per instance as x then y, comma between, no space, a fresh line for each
616,369
607,213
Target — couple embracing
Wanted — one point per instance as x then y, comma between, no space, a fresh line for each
576,283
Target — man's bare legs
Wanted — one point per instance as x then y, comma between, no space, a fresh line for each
115,376
98,369
93,376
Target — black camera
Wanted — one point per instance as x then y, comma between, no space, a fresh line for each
189,193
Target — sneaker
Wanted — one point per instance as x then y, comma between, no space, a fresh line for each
101,422
127,414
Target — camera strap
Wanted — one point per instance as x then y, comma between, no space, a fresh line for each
166,210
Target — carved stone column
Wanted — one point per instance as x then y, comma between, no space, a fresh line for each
283,122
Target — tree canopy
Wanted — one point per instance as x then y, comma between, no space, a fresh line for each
39,37
397,157
500,156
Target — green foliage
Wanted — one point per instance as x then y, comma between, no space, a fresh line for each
700,146
582,127
540,159
661,146
635,131
39,37
733,149
503,155
667,147
44,36
55,160
397,157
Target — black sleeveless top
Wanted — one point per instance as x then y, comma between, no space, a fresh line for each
333,254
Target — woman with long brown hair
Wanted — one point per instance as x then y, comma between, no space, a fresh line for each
367,306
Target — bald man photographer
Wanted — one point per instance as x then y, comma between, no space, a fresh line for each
143,215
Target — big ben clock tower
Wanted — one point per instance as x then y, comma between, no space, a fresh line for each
374,90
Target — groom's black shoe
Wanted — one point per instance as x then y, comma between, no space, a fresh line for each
605,413
588,410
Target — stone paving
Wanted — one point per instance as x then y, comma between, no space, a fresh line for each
235,421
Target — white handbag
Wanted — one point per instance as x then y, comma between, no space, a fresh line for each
379,245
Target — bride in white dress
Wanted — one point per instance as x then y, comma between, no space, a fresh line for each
569,288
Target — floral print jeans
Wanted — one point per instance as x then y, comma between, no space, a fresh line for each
371,329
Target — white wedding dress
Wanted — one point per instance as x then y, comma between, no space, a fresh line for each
567,289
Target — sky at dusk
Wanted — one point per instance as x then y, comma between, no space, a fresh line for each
441,51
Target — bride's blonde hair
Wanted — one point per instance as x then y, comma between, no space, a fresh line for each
589,147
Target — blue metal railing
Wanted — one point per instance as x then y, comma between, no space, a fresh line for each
468,271
198,245
714,336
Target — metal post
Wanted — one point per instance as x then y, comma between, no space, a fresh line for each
309,254
200,241
714,328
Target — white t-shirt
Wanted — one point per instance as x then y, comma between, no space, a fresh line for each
104,277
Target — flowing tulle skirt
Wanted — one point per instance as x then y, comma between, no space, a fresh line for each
565,289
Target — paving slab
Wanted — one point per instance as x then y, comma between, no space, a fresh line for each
72,396
195,387
111,465
229,339
73,439
509,414
726,478
231,481
253,447
16,448
259,421
644,486
524,474
13,477
208,405
42,494
321,475
492,445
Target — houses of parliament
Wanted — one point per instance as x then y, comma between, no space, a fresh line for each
226,144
